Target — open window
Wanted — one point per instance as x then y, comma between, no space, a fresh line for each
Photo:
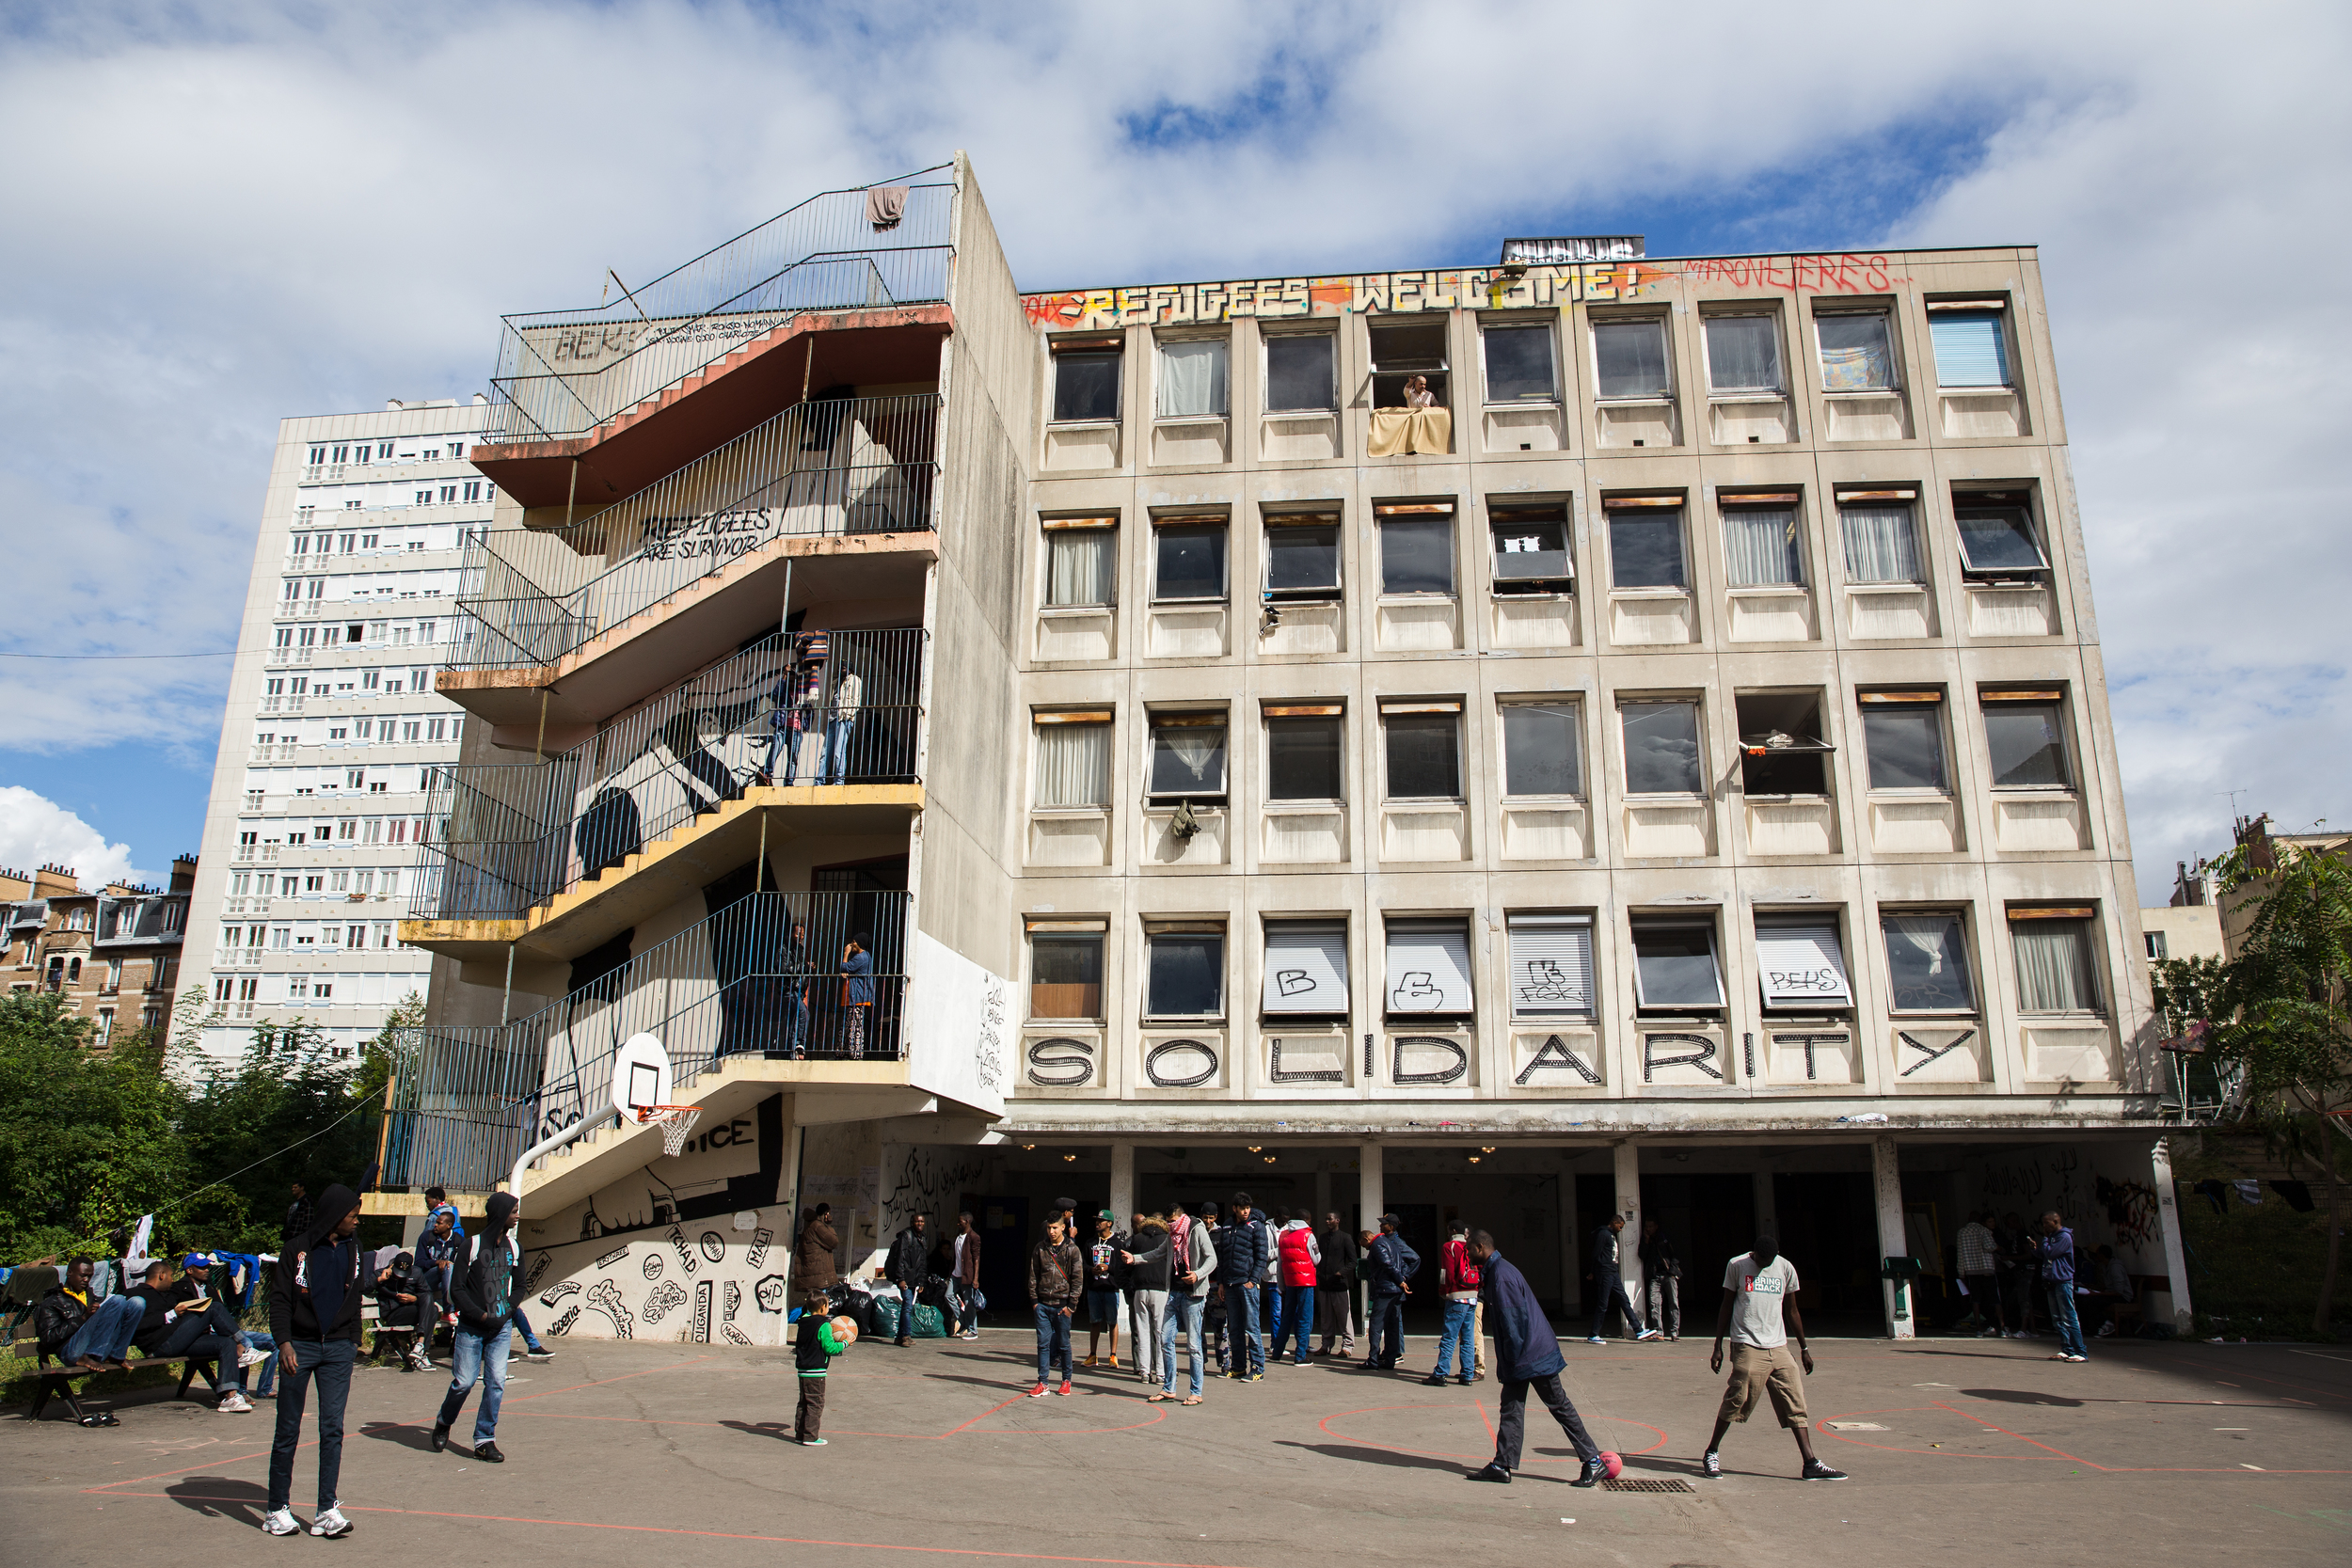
1857,350
1542,754
1306,969
1902,731
1187,756
1086,378
1403,350
1971,341
1531,549
1781,749
1674,969
1424,742
1184,971
1880,531
1551,966
1302,371
1997,539
1629,358
1416,548
1763,546
2057,969
1193,378
1074,758
1662,748
2025,737
1645,548
1519,362
1302,556
1188,558
1927,962
1304,745
1081,562
1429,969
1800,965
1066,970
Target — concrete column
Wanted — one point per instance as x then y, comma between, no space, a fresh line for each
1371,1191
1629,1179
1123,1183
1886,1175
2169,1219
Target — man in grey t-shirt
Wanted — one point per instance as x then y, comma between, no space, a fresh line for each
1759,1292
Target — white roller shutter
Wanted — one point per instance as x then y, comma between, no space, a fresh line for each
1802,966
1429,969
1306,969
1551,966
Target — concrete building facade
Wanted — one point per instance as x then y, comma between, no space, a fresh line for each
1520,744
332,723
114,955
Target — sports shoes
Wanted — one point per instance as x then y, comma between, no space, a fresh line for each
2072,1357
1990,1334
538,1353
1088,1362
251,1358
1647,1334
1815,1471
1711,1464
331,1525
2016,1333
1595,1471
1596,1340
280,1522
489,1453
2107,1331
969,1334
1037,1392
1492,1472
1257,1377
234,1403
1113,1361
812,1442
1064,1389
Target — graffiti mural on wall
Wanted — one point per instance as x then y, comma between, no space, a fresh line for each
1469,288
2131,1207
927,1185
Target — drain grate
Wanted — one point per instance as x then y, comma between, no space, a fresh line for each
1621,1484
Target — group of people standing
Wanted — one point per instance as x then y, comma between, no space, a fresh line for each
2012,1275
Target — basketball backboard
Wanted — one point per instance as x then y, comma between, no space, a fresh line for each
641,1076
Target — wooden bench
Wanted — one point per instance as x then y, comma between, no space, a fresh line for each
59,1382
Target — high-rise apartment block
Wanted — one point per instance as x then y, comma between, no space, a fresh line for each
1593,734
310,834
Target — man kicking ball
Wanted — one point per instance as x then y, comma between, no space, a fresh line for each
1527,1354
1759,1286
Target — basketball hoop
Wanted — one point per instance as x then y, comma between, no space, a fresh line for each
676,1121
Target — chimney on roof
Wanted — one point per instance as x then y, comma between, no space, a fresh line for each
14,885
56,882
183,873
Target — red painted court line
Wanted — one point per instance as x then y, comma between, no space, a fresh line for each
722,1535
983,1415
1997,1426
134,1481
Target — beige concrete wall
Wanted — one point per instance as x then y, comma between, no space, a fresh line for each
2188,930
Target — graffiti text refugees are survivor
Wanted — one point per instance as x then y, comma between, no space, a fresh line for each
719,535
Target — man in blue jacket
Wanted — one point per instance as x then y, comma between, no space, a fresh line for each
1390,1264
1527,1354
1243,1252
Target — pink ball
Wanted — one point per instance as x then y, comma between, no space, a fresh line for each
1612,1463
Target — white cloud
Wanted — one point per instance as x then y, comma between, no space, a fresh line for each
35,830
223,212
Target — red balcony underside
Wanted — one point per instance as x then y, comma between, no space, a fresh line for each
866,348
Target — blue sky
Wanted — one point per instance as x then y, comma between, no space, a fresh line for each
234,210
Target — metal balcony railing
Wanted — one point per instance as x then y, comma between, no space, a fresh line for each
829,467
565,373
810,708
763,976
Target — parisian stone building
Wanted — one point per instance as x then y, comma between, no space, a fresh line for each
1591,734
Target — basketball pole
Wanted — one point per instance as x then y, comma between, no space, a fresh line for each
548,1145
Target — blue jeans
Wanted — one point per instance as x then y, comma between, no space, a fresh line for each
1385,1333
2060,1294
1184,1318
266,1373
106,1333
522,1326
1294,1317
1052,1343
838,733
473,1358
1461,1319
331,1363
906,1308
1241,1327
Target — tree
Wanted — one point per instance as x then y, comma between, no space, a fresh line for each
291,1111
86,1141
2277,1009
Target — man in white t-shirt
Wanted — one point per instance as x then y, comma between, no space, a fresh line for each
1759,1288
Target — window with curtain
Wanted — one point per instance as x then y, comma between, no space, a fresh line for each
1661,749
1540,754
1086,385
1066,977
1629,358
1744,355
1904,734
1761,546
1881,543
1645,549
1188,754
1190,563
1298,372
1971,347
1303,757
1857,352
1080,567
1184,974
2054,970
1425,755
1927,963
2024,737
1192,378
1074,764
1519,364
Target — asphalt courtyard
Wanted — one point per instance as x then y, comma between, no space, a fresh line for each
619,1452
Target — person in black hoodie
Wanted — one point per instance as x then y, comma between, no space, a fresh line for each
403,1307
314,1299
482,1288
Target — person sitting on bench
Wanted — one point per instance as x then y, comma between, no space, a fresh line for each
404,1305
185,1319
78,1334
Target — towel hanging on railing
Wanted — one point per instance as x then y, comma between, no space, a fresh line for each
885,205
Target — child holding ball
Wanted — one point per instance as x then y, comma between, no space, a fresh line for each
819,1340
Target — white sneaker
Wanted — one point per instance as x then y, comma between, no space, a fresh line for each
1647,1334
234,1403
282,1522
331,1525
251,1357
